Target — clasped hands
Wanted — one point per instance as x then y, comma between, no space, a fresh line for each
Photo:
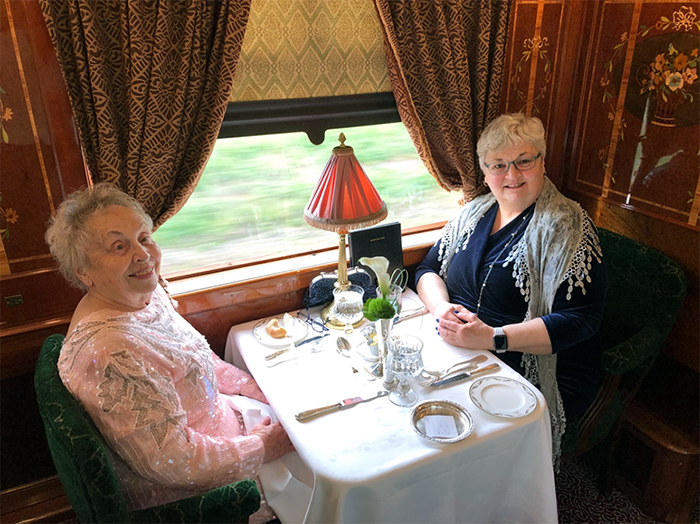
460,327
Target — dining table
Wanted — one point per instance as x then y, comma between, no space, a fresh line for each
368,462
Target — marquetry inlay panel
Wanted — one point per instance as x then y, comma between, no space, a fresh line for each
40,161
640,113
636,120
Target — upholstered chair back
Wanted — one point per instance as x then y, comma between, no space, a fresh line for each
645,292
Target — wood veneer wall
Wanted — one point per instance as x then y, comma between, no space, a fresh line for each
558,54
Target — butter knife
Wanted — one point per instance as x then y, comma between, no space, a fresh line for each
292,345
348,402
467,374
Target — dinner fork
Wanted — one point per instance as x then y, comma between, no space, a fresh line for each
465,365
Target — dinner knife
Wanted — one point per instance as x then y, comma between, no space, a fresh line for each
467,374
409,314
348,402
278,353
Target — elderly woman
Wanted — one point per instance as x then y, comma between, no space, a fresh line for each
164,401
519,271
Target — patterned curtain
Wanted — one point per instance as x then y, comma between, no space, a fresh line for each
446,60
149,81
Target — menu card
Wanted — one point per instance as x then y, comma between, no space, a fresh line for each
440,426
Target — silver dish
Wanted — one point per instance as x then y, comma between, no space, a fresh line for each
463,420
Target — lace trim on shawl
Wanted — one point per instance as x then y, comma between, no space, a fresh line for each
577,274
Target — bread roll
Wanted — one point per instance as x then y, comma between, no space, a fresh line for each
274,329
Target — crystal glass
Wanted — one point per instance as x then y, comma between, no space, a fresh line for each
347,306
406,361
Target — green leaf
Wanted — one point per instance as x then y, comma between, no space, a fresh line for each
5,138
2,91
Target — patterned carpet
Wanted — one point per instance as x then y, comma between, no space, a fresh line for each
580,501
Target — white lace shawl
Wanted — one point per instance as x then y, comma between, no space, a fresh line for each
558,246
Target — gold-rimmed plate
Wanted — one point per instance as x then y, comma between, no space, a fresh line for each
296,332
463,420
503,397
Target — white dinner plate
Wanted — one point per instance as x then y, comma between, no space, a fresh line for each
503,397
295,333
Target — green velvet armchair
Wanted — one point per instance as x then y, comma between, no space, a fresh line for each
87,474
645,293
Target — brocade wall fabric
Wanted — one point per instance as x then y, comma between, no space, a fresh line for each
149,81
445,61
310,48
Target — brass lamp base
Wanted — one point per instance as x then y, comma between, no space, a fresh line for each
330,321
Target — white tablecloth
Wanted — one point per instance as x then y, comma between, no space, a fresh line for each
369,465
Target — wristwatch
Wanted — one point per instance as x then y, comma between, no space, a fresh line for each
500,340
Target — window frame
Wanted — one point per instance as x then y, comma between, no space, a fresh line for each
313,116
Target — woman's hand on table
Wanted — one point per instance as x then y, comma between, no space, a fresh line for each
446,310
462,328
274,438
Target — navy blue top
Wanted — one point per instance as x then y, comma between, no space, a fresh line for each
570,324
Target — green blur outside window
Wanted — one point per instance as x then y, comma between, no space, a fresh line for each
250,200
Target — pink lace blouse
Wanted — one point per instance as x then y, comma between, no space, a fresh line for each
153,386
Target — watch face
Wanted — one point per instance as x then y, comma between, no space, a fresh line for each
500,342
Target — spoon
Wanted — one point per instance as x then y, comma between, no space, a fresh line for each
343,346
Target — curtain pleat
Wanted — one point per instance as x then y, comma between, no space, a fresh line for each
446,61
149,81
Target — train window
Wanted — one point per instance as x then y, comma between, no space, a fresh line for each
250,200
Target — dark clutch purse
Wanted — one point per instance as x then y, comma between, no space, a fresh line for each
320,292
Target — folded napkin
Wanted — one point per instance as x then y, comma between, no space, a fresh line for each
287,482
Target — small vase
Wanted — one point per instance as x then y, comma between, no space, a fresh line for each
383,327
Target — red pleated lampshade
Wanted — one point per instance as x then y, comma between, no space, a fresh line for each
344,198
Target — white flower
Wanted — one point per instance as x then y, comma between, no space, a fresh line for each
380,266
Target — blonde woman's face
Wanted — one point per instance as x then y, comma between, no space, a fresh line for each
123,260
515,190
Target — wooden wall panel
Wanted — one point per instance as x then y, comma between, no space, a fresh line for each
594,125
40,161
639,146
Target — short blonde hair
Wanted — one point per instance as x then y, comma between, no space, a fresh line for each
511,130
68,233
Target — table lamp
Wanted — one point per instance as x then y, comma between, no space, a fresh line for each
343,199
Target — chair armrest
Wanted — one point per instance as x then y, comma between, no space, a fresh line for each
626,356
231,503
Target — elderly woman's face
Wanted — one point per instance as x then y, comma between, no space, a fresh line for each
123,259
515,189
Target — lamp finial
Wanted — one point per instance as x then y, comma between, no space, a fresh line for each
341,139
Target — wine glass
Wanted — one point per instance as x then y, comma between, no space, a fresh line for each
406,361
347,306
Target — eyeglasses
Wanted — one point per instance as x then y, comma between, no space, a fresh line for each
521,164
316,323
